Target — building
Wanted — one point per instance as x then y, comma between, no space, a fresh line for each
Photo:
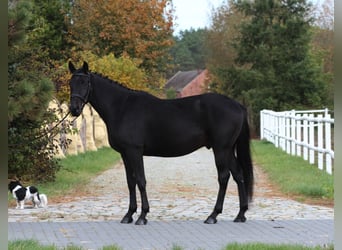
188,83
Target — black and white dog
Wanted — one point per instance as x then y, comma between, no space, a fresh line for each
22,194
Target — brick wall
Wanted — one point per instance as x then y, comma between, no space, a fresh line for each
196,86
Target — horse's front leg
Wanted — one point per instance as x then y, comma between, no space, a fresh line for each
131,182
134,161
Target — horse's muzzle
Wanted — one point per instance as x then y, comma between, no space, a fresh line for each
76,106
75,111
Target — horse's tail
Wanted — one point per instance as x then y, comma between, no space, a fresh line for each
244,156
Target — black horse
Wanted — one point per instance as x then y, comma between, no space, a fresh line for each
141,124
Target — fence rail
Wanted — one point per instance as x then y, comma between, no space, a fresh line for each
302,133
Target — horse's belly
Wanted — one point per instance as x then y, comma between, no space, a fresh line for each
173,147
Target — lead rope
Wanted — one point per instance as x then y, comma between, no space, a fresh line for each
56,125
49,131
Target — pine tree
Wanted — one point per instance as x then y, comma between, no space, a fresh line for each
30,150
188,51
274,68
50,27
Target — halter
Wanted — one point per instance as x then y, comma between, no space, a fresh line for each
83,99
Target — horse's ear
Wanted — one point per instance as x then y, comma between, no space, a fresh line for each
85,67
71,67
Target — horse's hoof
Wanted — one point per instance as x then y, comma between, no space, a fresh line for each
240,219
126,220
141,221
210,220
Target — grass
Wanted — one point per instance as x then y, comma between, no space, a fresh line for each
77,171
261,246
34,245
292,174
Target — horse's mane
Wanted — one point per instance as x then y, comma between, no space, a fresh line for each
116,82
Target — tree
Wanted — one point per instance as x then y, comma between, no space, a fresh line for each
188,51
124,70
323,42
141,29
274,67
48,27
219,44
30,149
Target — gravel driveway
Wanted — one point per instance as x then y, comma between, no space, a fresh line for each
182,188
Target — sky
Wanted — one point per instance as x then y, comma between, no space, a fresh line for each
196,13
193,13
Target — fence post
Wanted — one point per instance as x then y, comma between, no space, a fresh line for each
293,132
305,137
281,125
299,135
320,142
312,139
262,124
287,133
276,130
328,144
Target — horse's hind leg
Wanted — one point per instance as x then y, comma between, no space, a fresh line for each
243,199
222,160
141,181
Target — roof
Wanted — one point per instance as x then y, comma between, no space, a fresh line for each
181,79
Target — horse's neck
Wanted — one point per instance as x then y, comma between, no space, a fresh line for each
107,97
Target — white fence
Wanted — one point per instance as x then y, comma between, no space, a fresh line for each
302,133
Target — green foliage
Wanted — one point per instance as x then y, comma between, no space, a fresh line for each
171,93
188,51
19,15
50,29
123,69
30,144
31,150
273,67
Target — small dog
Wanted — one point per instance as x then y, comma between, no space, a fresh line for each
22,194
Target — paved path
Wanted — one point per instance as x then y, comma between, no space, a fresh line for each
161,235
182,192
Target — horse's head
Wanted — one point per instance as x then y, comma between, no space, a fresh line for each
79,88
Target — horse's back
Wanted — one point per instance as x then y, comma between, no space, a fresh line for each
222,108
180,126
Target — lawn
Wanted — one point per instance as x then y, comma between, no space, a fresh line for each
77,171
34,245
292,174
